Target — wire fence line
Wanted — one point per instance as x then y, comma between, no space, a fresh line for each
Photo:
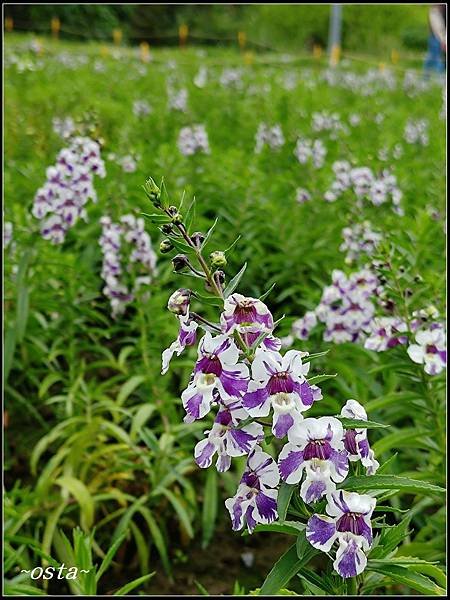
280,57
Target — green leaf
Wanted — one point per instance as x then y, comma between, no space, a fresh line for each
203,591
109,557
320,582
209,233
209,513
9,348
284,497
80,492
390,482
399,439
359,424
209,300
415,564
190,216
228,250
264,296
234,282
156,218
391,538
288,527
181,246
318,378
157,537
142,415
405,576
180,510
133,584
128,388
298,555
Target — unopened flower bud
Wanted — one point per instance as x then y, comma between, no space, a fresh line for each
198,238
180,262
218,259
177,218
219,278
165,246
179,302
153,192
167,228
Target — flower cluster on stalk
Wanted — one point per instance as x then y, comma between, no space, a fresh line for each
359,239
269,136
193,140
129,261
69,186
377,189
310,151
254,390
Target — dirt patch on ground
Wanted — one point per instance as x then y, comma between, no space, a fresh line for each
219,566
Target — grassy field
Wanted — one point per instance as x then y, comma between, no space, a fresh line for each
97,454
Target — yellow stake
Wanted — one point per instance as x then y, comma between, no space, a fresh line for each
395,57
381,66
335,55
242,39
317,51
55,25
183,34
9,24
144,52
104,51
117,36
249,58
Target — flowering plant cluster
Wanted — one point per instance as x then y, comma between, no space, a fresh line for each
177,99
331,122
348,308
359,239
241,375
69,186
193,140
310,151
268,136
231,78
416,132
141,108
141,259
365,184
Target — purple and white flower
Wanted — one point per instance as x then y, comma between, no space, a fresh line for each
256,498
348,523
227,438
187,336
269,136
217,374
301,328
193,140
355,440
316,447
430,349
69,187
279,382
383,333
246,315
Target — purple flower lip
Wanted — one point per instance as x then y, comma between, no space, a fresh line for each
350,441
320,449
280,382
251,479
245,313
431,349
351,522
210,363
